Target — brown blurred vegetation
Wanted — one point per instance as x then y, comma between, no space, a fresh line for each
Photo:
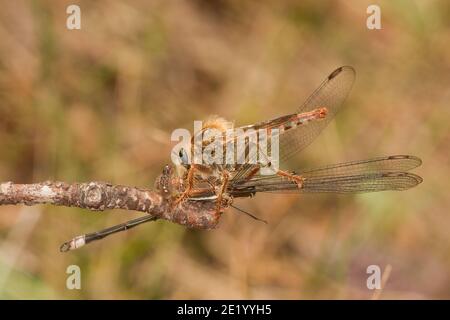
100,103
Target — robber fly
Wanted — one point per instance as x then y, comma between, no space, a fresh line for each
221,183
296,131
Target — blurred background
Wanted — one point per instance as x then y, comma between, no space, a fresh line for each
100,103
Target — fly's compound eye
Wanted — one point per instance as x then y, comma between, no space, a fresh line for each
183,156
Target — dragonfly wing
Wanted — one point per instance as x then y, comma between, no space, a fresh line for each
330,94
359,183
378,174
374,165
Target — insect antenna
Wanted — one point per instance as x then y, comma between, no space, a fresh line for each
249,214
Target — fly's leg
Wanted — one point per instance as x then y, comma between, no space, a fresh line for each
223,188
292,177
190,186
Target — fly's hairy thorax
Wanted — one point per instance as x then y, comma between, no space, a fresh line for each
213,128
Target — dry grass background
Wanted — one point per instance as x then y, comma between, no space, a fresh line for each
100,104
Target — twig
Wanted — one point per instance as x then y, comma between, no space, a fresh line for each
99,196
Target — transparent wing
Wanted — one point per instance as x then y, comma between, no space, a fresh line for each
378,174
374,165
330,94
